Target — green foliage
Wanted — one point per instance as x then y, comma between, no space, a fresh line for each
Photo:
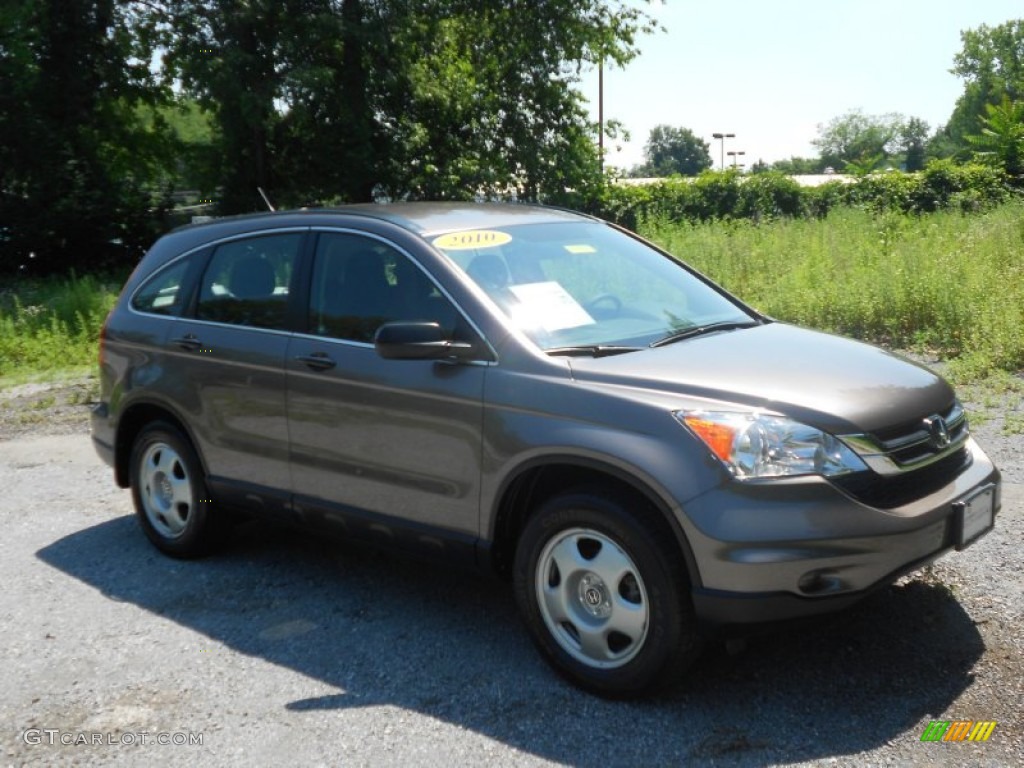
799,165
349,100
941,185
885,191
991,63
913,143
770,195
820,200
671,151
53,324
343,101
1001,140
712,195
948,283
310,100
80,178
863,142
859,144
863,165
969,188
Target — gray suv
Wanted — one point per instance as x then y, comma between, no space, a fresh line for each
541,395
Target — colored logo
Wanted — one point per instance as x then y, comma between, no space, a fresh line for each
958,730
472,240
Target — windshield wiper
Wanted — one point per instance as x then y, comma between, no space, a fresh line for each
700,330
592,350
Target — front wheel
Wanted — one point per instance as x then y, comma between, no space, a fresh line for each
604,595
169,491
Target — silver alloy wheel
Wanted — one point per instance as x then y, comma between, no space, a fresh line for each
592,598
166,490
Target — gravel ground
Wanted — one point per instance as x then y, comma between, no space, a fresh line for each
286,650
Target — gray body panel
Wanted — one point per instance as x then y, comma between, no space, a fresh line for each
397,438
439,448
231,391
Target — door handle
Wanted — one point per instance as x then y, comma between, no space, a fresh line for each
188,342
318,361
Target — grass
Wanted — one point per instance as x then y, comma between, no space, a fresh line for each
949,284
946,283
49,328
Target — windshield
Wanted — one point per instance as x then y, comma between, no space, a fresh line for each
585,284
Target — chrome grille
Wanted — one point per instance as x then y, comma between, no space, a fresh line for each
912,446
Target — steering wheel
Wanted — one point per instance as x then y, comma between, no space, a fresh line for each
612,303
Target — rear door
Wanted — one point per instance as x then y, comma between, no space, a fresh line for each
226,365
388,449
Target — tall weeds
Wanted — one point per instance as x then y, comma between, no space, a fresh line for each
946,282
51,325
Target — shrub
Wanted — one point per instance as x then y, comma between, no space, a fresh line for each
718,195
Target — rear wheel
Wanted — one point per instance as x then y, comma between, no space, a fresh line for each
170,494
604,595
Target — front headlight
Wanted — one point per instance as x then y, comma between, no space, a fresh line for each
755,445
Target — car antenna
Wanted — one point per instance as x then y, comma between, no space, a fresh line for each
266,199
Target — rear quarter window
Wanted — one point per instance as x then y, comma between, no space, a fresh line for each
164,293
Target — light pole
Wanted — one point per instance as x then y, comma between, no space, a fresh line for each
600,110
722,137
735,156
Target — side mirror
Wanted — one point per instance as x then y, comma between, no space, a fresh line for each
418,341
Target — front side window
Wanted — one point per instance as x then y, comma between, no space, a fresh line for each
360,283
247,281
586,284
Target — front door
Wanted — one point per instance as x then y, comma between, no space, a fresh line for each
388,449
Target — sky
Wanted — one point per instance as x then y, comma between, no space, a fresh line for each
772,71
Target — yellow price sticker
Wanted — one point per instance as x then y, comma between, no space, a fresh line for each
472,240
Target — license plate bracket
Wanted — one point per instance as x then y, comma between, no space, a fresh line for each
974,515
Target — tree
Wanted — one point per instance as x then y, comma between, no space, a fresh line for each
311,100
913,140
228,56
1001,139
796,166
354,99
674,150
991,62
859,139
79,172
194,136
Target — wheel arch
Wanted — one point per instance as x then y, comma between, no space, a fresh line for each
132,422
542,478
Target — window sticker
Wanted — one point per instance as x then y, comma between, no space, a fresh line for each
472,240
548,305
582,248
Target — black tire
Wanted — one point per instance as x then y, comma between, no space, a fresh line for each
170,495
604,593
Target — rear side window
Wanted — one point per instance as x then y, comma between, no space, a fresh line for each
247,281
164,292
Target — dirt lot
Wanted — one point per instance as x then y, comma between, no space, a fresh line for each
289,650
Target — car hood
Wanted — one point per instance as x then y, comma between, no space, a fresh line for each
835,384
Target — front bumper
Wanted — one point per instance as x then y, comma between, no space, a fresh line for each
790,549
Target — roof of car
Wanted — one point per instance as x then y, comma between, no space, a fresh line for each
423,218
434,217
